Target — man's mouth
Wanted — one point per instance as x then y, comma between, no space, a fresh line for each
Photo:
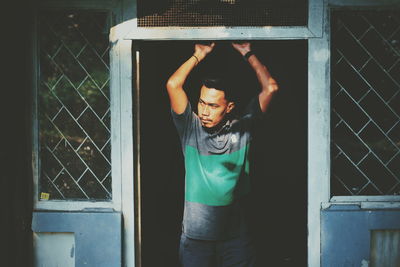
205,121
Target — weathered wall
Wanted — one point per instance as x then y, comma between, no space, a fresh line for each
349,233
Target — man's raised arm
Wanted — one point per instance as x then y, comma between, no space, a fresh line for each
177,95
268,84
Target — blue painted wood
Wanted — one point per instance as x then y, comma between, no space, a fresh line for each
346,233
97,234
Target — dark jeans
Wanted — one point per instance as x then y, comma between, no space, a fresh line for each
237,252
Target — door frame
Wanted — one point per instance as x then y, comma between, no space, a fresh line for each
316,32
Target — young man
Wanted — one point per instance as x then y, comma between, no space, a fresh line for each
216,151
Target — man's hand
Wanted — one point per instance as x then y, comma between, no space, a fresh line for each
242,48
202,50
177,95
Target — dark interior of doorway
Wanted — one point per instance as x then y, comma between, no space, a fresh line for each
279,170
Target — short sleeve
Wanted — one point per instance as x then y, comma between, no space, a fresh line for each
251,115
252,110
183,122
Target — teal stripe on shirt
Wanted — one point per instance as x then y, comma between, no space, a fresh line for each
216,180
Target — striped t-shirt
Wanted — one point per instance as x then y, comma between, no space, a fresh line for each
217,174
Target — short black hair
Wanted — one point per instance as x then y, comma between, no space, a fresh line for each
221,84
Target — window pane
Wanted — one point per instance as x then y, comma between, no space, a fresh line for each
365,95
74,105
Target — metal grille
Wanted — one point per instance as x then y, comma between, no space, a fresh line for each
365,87
74,105
208,13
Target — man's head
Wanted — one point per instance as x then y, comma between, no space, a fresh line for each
214,102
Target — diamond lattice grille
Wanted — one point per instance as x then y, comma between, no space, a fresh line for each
365,91
74,105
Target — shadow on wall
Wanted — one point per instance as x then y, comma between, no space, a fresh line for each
15,153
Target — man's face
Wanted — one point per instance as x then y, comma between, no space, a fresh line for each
212,106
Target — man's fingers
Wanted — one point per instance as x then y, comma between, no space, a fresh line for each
241,46
205,45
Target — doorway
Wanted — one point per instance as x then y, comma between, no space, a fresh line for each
279,167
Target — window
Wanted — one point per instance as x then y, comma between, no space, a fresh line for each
365,95
74,106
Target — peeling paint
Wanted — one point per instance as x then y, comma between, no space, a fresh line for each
321,55
364,263
53,249
72,254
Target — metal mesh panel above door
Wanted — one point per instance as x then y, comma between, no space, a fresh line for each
365,95
209,13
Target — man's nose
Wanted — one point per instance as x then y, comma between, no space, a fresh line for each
206,111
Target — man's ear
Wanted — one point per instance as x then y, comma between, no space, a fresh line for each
231,105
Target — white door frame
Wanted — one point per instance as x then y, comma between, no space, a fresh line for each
318,92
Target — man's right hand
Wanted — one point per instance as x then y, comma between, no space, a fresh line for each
177,95
202,50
